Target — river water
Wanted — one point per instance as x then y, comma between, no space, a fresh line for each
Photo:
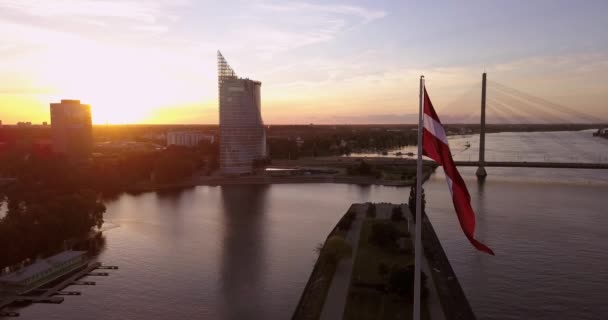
245,252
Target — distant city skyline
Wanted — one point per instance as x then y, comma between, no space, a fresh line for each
320,61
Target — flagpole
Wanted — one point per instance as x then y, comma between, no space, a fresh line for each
418,241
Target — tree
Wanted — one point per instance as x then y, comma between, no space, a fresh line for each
401,282
371,210
365,168
397,214
384,234
347,220
48,217
172,167
335,249
383,269
412,201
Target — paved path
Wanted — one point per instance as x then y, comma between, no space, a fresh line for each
333,309
433,303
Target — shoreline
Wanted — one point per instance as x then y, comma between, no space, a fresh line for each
268,180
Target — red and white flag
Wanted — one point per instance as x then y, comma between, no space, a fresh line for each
435,146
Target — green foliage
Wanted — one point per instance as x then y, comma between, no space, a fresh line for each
397,214
412,201
363,169
384,235
313,141
171,169
283,148
52,201
371,210
347,220
401,281
335,249
38,222
383,269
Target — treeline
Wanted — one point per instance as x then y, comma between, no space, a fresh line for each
109,173
55,199
39,221
120,172
50,202
332,141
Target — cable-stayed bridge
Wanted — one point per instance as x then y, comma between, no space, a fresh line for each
510,105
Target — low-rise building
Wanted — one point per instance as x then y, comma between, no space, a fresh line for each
41,272
188,138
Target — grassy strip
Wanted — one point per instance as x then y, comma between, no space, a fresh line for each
312,301
311,305
368,297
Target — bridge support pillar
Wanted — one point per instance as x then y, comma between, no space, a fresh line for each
481,171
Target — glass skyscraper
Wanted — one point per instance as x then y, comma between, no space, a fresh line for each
242,135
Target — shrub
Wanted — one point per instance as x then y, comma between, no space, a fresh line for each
384,235
351,214
335,249
347,220
412,201
383,269
344,224
364,168
401,281
371,210
397,214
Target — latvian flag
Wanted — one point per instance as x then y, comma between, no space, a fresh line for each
435,146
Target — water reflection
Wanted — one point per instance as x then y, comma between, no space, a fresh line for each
94,245
364,190
243,253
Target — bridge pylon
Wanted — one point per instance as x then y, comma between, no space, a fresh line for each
481,170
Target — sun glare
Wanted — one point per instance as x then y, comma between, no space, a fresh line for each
122,86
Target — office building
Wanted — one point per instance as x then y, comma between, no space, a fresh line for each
72,128
242,134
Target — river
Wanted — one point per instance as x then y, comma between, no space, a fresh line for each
245,252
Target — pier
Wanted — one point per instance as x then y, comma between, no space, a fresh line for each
50,295
527,164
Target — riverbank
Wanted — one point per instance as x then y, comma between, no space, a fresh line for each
392,173
267,180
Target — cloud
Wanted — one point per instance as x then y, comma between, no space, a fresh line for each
293,25
152,29
142,11
365,14
108,20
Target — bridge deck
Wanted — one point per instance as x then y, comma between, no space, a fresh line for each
526,164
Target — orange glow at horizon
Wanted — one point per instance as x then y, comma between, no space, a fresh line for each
124,89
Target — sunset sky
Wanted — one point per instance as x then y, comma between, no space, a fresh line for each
144,61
